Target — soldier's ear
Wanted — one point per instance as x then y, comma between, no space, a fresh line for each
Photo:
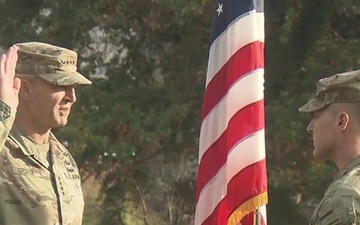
342,121
24,93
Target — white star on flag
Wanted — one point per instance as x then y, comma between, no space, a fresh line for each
219,9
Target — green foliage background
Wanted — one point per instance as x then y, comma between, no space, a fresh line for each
134,132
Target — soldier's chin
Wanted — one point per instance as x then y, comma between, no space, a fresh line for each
319,156
60,123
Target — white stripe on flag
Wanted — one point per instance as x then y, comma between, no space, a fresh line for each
245,30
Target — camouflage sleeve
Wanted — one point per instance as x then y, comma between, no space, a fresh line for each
7,117
340,210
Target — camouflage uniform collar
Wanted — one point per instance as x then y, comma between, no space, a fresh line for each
352,164
55,145
28,147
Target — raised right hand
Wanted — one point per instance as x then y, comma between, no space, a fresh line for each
9,85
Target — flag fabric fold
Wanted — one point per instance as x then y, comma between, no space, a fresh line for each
232,179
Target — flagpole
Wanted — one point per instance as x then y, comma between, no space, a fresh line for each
257,217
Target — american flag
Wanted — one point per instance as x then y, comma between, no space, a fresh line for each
232,180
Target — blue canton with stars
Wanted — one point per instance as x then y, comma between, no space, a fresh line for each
226,11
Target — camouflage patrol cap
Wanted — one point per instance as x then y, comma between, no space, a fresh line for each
339,88
54,64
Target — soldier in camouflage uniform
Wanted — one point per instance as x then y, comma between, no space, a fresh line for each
335,128
39,179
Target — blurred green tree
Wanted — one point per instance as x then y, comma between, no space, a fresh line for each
134,132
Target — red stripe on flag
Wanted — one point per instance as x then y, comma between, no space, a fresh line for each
216,155
219,215
247,59
249,219
248,183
